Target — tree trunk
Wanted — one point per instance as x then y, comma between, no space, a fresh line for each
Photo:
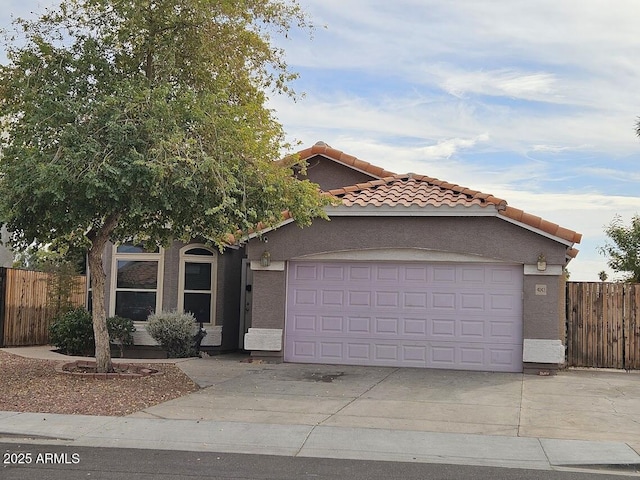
98,280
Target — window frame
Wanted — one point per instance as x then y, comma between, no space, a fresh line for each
135,257
211,259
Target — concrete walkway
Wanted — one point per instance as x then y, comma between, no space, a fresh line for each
576,418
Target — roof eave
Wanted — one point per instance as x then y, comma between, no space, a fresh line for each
410,211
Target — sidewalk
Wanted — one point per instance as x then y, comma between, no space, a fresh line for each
576,418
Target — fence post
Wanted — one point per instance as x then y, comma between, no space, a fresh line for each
3,294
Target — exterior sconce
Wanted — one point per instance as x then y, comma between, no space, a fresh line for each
542,262
265,259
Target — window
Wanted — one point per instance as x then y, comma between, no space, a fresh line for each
136,277
197,282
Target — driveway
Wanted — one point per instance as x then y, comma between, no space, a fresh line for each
575,404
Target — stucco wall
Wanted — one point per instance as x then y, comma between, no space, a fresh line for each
268,301
541,312
329,174
485,236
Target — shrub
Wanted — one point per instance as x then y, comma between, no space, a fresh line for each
174,332
72,332
120,332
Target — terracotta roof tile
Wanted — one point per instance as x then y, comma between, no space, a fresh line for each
407,191
541,224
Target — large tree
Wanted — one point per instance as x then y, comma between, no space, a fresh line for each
623,249
145,120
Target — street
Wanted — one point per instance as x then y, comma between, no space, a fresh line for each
53,462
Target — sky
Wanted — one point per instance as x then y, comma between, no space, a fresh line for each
533,102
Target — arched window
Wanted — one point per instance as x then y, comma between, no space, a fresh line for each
197,287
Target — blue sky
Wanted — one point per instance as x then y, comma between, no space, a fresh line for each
533,102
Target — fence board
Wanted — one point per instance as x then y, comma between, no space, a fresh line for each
28,309
602,325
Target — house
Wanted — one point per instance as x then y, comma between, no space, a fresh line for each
6,255
409,271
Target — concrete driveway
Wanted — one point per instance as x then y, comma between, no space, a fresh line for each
582,405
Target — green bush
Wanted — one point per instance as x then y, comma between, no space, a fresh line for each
174,332
120,332
72,332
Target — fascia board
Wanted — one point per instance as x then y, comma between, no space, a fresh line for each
412,211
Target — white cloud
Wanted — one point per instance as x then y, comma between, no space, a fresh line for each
503,82
448,147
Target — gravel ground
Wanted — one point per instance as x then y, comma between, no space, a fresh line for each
33,385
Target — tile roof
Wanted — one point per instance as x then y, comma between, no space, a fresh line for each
419,190
391,189
413,190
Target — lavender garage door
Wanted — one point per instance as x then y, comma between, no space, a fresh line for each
457,316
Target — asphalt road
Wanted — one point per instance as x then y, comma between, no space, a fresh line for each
53,462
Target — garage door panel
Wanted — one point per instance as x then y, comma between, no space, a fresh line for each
359,272
305,272
359,325
386,326
413,327
503,302
333,273
332,298
330,351
387,299
385,273
472,301
331,324
359,299
430,315
443,274
304,323
415,274
415,300
472,275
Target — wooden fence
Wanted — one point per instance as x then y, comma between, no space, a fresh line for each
28,305
602,325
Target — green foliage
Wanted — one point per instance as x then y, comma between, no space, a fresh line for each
72,332
146,120
120,332
151,111
48,259
174,331
623,250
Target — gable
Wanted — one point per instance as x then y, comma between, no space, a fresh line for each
331,168
330,174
